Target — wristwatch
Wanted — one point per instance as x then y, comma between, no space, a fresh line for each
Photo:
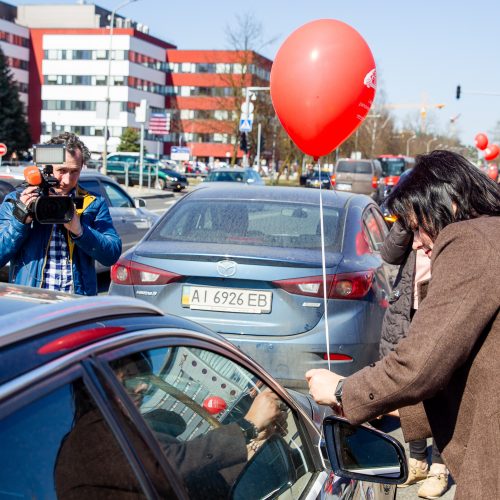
20,211
249,430
338,391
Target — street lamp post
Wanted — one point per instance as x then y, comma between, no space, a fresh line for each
428,147
106,116
248,92
408,144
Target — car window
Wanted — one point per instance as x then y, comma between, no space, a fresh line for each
59,446
381,222
90,185
375,235
195,403
354,167
117,197
283,225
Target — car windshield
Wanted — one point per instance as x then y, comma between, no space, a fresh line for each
392,166
258,223
227,176
354,167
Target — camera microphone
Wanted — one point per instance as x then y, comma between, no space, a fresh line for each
33,176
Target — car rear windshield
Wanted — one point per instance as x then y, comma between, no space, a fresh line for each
354,167
226,177
392,166
257,223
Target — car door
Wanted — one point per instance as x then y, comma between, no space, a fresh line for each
193,399
59,442
130,223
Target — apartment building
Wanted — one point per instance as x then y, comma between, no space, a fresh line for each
207,88
14,42
77,61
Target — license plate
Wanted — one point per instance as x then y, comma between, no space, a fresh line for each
209,298
344,187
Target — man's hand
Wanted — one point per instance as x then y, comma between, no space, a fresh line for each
322,385
28,196
265,409
74,225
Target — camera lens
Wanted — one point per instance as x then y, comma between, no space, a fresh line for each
53,209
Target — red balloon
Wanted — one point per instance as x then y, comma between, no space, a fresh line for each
214,405
323,82
481,141
491,152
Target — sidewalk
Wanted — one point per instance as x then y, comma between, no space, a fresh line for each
145,192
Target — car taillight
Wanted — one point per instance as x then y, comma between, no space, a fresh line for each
340,286
332,180
334,356
374,182
128,272
392,180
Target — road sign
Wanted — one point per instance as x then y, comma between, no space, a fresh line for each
245,125
244,108
3,149
179,153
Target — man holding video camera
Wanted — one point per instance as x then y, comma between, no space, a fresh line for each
53,243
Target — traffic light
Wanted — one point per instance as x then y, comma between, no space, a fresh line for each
243,142
458,91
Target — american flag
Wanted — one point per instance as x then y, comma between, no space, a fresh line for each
159,123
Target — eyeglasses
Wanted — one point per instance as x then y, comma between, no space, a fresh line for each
135,385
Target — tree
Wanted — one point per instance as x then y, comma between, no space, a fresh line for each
14,131
129,141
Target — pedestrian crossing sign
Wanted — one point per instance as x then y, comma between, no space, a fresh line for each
245,125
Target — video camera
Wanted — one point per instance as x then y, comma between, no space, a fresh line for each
47,208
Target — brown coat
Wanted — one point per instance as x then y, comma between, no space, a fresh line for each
450,361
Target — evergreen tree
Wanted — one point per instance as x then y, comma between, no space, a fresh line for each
14,132
129,141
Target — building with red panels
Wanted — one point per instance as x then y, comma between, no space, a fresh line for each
14,42
75,62
207,89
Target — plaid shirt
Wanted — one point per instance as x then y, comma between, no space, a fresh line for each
57,274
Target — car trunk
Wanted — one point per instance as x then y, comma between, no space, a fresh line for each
245,301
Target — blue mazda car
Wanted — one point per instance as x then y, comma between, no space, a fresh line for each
246,261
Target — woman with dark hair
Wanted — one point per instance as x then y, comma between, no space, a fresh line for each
450,359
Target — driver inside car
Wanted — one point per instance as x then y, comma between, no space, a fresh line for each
210,463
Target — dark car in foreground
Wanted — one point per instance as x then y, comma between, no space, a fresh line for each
247,262
105,397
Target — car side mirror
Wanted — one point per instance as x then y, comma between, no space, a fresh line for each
139,202
364,453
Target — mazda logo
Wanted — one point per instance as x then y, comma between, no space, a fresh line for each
226,268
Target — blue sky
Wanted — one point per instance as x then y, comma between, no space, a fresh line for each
422,49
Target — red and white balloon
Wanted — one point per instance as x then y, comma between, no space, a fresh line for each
323,83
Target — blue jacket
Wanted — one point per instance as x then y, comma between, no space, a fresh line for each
26,246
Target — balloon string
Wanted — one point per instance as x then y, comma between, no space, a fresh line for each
323,266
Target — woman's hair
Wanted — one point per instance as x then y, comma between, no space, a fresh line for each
443,188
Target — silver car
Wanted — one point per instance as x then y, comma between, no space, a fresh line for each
130,217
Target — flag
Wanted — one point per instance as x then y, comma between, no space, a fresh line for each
159,123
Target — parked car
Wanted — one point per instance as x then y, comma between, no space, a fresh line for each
130,217
106,397
359,176
314,180
235,174
123,167
246,261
